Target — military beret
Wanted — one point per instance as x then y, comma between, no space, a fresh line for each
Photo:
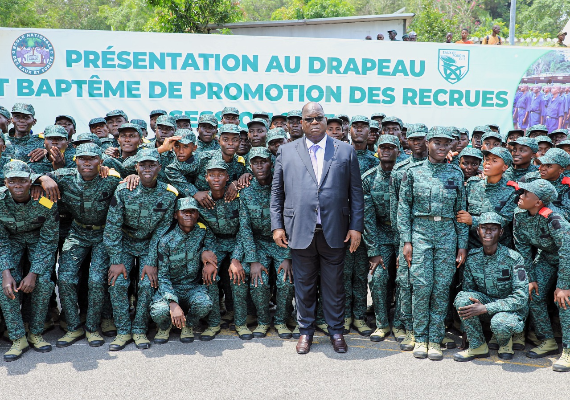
388,139
186,136
131,126
492,134
471,152
55,131
491,218
181,117
209,119
115,113
379,114
229,128
526,141
158,112
534,128
166,120
4,111
230,111
555,156
392,120
343,117
545,139
68,117
295,113
276,133
416,131
500,152
359,118
22,108
438,132
561,131
86,137
88,149
481,129
216,163
98,120
17,169
145,154
259,152
140,122
542,189
260,114
187,203
257,121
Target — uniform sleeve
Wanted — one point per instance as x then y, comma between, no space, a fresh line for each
405,207
164,284
394,191
468,281
560,232
176,174
524,248
163,225
462,230
277,194
356,221
209,241
245,234
519,297
371,235
115,164
5,251
113,235
43,259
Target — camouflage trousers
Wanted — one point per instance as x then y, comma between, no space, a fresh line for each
434,246
269,252
225,248
356,269
545,271
39,298
75,249
131,250
260,296
193,299
379,285
403,313
503,324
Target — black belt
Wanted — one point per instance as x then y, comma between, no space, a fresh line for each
318,228
225,236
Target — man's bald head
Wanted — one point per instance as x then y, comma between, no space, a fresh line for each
314,122
312,106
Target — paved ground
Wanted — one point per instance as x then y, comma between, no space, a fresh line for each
269,368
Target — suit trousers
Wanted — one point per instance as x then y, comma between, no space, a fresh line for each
319,258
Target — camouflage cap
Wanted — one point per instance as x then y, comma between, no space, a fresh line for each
464,131
417,131
534,128
181,117
115,113
471,152
158,112
491,218
388,139
97,120
544,139
526,141
22,108
405,36
562,143
492,134
186,136
392,120
4,111
555,156
562,131
378,115
343,117
131,126
166,120
260,114
259,152
216,163
276,133
496,126
438,132
140,122
359,118
145,154
209,119
374,124
68,117
295,113
55,131
334,118
405,127
521,131
87,137
17,169
278,116
89,150
454,132
187,203
481,129
229,128
230,111
544,190
500,152
257,121
243,131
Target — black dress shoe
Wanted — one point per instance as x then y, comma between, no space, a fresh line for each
304,344
339,345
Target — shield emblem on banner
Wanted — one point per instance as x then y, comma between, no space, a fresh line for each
453,65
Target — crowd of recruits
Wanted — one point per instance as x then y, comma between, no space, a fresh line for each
542,104
111,196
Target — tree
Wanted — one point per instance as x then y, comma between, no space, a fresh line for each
432,25
192,15
309,9
260,10
130,15
548,16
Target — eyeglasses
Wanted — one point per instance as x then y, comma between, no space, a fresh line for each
309,120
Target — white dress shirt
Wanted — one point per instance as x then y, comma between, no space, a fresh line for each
320,154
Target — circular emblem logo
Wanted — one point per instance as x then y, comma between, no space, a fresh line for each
32,53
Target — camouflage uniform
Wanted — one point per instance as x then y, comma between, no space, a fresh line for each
20,147
208,119
179,267
379,236
30,227
549,233
136,221
45,165
235,168
88,202
256,238
430,197
499,281
515,175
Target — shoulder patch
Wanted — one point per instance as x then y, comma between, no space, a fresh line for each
172,189
145,140
113,172
241,160
201,225
44,201
545,212
376,155
513,184
41,135
566,180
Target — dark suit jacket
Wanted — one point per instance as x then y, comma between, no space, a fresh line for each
296,193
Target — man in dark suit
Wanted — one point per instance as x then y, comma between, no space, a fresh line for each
317,207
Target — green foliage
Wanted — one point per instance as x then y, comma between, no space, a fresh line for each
256,10
309,9
547,16
130,15
553,62
432,25
292,10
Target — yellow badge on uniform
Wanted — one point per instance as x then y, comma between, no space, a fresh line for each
201,225
41,135
172,189
241,160
376,155
44,201
113,172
